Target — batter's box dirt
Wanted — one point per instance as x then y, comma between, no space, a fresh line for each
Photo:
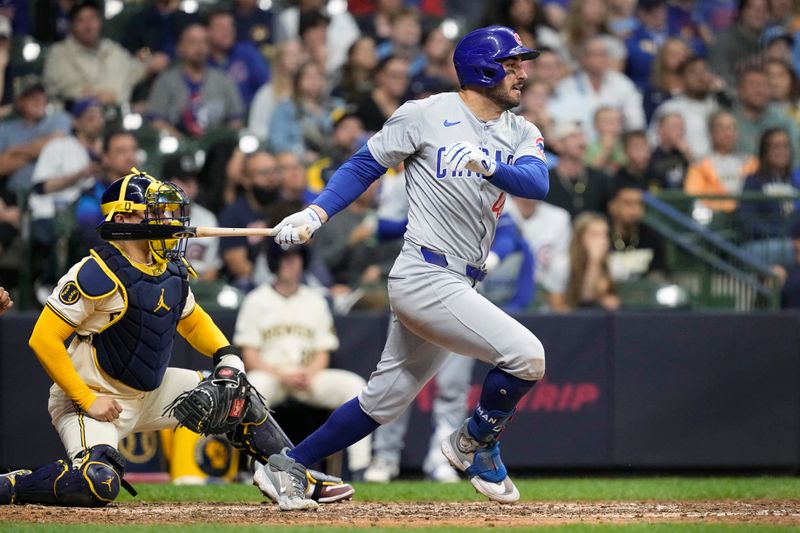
419,514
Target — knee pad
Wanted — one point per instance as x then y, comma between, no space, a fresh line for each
535,367
259,435
93,483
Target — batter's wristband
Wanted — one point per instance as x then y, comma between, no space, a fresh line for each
226,350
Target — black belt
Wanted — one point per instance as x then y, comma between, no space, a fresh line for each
435,258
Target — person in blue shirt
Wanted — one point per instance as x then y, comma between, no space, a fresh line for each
241,61
643,43
253,24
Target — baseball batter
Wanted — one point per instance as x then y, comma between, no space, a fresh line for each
124,303
463,152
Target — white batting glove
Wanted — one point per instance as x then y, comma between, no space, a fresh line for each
288,233
465,155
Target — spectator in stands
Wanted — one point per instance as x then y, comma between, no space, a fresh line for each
190,98
670,159
550,67
790,292
289,56
344,246
241,61
777,43
314,37
695,105
86,64
253,23
286,333
573,186
202,254
510,265
523,16
118,157
738,44
756,115
8,72
154,31
342,31
438,74
373,16
784,88
723,171
244,258
294,184
548,230
622,19
533,105
66,166
596,84
637,161
22,138
356,78
766,223
404,41
590,283
646,39
586,20
303,124
348,134
51,20
665,80
605,152
391,84
636,250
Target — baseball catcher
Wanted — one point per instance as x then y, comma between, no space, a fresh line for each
124,303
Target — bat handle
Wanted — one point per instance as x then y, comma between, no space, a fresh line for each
304,232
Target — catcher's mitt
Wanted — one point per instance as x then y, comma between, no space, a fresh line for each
217,405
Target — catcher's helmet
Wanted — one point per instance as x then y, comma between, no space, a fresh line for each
160,203
477,56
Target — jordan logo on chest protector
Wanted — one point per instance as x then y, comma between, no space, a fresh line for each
161,304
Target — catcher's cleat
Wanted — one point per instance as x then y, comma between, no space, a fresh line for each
481,463
323,488
7,482
283,480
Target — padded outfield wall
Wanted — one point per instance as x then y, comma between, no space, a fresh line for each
623,390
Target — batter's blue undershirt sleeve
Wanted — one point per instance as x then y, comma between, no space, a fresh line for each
527,177
350,181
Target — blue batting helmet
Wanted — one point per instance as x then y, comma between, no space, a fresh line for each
477,57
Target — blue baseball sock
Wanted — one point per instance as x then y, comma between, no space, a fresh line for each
347,425
499,396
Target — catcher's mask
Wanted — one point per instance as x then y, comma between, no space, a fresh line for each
160,202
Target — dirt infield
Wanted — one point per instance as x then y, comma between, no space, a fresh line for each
416,514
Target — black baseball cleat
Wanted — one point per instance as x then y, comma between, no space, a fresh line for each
7,483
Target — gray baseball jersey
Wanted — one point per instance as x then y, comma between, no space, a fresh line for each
453,213
436,310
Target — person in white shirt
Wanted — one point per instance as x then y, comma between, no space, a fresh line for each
66,166
286,334
547,229
596,84
695,106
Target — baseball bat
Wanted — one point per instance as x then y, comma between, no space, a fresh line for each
115,231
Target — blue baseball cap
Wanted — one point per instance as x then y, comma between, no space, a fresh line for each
80,106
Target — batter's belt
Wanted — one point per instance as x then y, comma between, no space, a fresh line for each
476,274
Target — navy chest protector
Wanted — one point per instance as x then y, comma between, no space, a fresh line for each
136,349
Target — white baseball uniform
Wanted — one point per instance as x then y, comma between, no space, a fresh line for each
142,411
288,331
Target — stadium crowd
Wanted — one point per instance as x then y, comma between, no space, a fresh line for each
252,105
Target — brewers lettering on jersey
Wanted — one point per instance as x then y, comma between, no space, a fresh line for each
463,152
